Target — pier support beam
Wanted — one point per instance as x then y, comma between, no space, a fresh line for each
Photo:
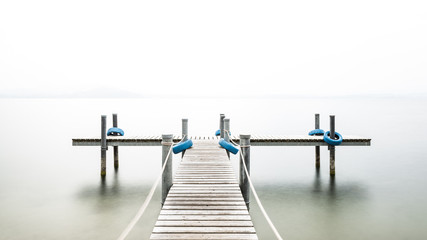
221,125
116,148
167,173
317,148
245,144
103,145
332,148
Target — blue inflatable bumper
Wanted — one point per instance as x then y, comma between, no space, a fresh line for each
228,146
317,132
115,132
218,132
330,141
182,146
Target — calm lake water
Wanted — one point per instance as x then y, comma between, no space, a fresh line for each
51,190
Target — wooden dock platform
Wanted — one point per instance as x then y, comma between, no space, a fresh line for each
256,140
205,201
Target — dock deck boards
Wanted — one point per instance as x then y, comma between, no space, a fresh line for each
256,140
205,201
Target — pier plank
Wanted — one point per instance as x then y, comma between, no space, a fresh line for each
205,201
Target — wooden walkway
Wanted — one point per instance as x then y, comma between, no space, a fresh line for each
256,140
205,201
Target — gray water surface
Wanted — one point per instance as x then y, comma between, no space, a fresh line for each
51,190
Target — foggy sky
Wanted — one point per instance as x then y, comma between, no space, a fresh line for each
201,48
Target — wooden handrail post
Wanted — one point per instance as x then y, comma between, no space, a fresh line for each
245,144
167,173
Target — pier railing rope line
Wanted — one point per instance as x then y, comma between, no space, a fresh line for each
270,223
147,201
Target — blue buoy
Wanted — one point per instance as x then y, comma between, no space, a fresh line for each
218,132
114,131
182,146
228,146
330,141
317,132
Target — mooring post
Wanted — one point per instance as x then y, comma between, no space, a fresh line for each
103,145
317,126
167,173
332,148
245,144
116,148
184,129
221,125
227,132
227,129
184,132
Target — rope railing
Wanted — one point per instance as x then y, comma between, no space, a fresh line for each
148,199
270,223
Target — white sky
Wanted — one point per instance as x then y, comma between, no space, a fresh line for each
206,47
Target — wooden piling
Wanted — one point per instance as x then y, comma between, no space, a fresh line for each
184,129
332,148
245,144
221,125
317,148
184,132
167,173
103,145
227,132
116,148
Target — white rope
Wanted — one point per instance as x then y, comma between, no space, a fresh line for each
144,206
270,223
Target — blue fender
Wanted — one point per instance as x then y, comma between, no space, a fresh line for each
114,131
228,146
218,132
182,146
317,132
330,141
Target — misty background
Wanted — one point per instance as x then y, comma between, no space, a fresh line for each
212,48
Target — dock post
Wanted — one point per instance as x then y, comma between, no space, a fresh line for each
184,129
227,132
317,126
245,144
103,145
167,173
226,129
184,132
116,148
332,148
221,125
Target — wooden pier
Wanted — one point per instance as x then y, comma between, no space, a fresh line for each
205,201
256,140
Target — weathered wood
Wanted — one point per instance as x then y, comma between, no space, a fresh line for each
167,173
103,145
332,148
317,148
205,201
246,158
297,140
116,148
204,236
